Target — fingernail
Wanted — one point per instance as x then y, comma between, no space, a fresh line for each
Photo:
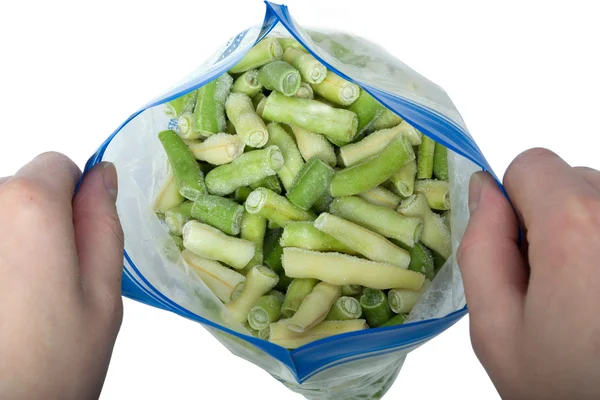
109,176
475,186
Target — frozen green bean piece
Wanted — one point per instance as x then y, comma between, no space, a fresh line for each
440,162
209,113
381,197
336,89
292,159
272,250
219,279
402,301
342,269
421,260
352,290
177,217
404,179
248,124
367,109
245,170
438,261
323,100
280,76
354,153
304,235
334,123
284,282
437,193
262,53
266,310
289,42
186,170
395,320
259,281
287,338
436,234
270,182
311,69
219,212
387,119
185,127
311,182
323,203
373,171
425,158
382,220
368,243
314,308
180,105
275,208
168,196
253,228
413,135
375,306
305,91
260,107
241,194
314,145
257,98
218,149
344,308
247,83
296,293
211,243
252,331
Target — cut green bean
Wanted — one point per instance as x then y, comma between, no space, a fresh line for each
185,168
219,279
337,124
343,309
435,234
311,69
323,203
266,310
387,119
373,171
272,250
218,149
252,331
323,100
314,308
440,162
352,290
425,158
295,295
404,179
287,338
247,83
264,334
245,170
353,153
421,260
218,212
259,281
257,98
314,145
402,301
310,184
168,196
185,127
395,320
292,159
414,136
209,113
270,182
437,193
275,208
253,228
370,244
342,269
284,282
237,290
264,52
177,217
211,243
241,194
375,307
304,235
367,109
379,219
248,124
336,89
381,197
287,43
305,91
280,76
180,105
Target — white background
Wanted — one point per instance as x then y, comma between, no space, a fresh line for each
522,74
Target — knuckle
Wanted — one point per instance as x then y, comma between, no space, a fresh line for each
109,308
525,160
24,196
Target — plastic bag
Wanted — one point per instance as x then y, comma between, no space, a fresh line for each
355,365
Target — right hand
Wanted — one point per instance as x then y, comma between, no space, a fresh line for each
534,317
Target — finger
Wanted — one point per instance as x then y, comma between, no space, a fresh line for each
99,236
493,270
589,175
2,180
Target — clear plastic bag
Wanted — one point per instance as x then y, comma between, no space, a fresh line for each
357,365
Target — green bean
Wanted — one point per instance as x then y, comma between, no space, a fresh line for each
440,162
437,193
248,124
275,208
310,68
180,105
310,183
296,293
262,53
375,306
425,158
247,83
292,159
337,89
209,112
280,76
304,235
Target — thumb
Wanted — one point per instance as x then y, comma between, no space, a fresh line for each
98,234
492,267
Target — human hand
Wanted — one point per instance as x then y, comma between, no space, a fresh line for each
60,287
534,311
